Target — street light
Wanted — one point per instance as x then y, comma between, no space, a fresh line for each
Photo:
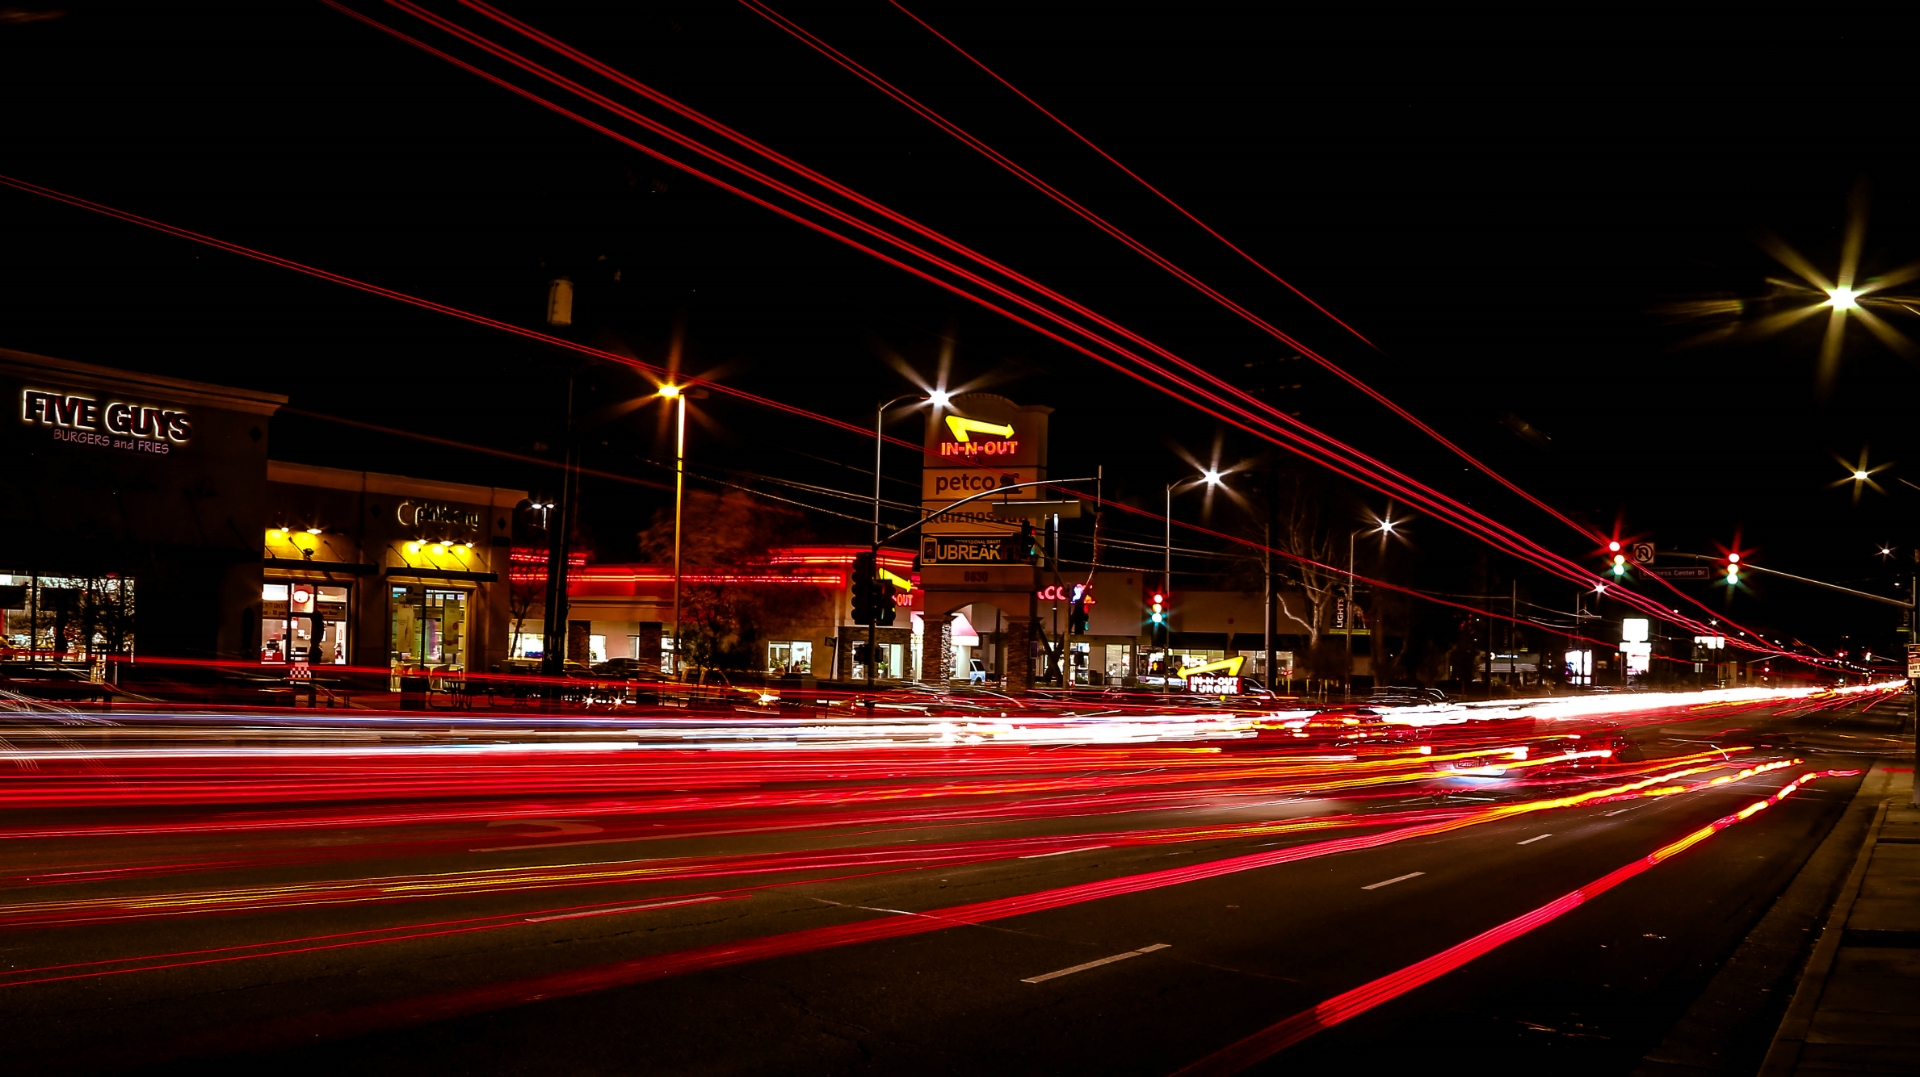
1382,527
1208,478
939,398
678,396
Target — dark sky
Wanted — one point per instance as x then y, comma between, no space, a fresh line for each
1504,206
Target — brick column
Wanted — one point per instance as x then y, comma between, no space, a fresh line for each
943,654
1017,654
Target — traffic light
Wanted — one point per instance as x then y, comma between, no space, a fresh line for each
1617,559
883,612
1077,619
1733,570
1029,542
1157,619
866,591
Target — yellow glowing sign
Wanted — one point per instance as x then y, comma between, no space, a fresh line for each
903,584
962,427
1229,666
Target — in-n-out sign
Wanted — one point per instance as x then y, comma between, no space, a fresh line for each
963,444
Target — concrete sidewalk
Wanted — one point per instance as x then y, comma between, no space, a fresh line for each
1857,1007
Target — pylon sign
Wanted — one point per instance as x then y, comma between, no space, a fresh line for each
976,444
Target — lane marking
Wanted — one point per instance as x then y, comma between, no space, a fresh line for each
1536,837
1622,811
623,908
1395,879
1045,976
1063,852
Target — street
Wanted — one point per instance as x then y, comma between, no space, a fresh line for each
884,911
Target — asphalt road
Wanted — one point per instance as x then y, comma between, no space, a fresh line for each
545,943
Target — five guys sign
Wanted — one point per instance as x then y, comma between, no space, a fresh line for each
113,424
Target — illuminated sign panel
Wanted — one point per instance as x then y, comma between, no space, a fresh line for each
981,442
1228,666
109,424
418,513
963,550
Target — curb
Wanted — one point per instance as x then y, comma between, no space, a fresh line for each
1784,1055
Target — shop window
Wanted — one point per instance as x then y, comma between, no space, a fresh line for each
790,656
66,618
428,628
890,667
303,622
530,645
1119,661
596,649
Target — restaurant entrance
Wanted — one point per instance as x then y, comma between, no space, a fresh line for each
429,628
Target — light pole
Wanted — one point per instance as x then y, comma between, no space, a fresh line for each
939,398
679,397
1385,528
1209,478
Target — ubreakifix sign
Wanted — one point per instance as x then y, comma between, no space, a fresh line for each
83,419
965,550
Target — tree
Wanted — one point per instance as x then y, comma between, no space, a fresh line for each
1304,530
723,619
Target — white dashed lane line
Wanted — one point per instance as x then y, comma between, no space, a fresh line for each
1536,837
1045,976
1063,852
1395,879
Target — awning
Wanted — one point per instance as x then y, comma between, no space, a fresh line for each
442,574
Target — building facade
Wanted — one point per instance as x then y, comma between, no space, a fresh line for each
379,571
130,511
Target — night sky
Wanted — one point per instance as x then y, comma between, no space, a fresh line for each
1510,209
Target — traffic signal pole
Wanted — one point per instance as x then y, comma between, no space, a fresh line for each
879,540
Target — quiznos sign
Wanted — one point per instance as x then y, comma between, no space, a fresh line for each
116,424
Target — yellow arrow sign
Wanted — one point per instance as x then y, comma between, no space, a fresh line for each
961,427
1230,666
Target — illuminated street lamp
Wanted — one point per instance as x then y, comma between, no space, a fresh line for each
1382,527
678,396
1209,478
939,398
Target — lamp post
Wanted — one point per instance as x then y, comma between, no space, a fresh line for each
678,396
1208,478
1385,528
939,398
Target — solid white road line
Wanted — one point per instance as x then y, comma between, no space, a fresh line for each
1395,879
1622,811
1063,852
1045,976
623,908
1536,837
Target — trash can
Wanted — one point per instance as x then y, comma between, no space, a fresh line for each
413,693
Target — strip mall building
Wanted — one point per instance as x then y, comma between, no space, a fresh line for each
145,518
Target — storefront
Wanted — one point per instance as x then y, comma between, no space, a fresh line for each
131,505
383,571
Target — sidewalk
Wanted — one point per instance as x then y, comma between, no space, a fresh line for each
1857,1008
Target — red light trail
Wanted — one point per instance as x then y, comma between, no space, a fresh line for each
1350,1004
1246,411
901,924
